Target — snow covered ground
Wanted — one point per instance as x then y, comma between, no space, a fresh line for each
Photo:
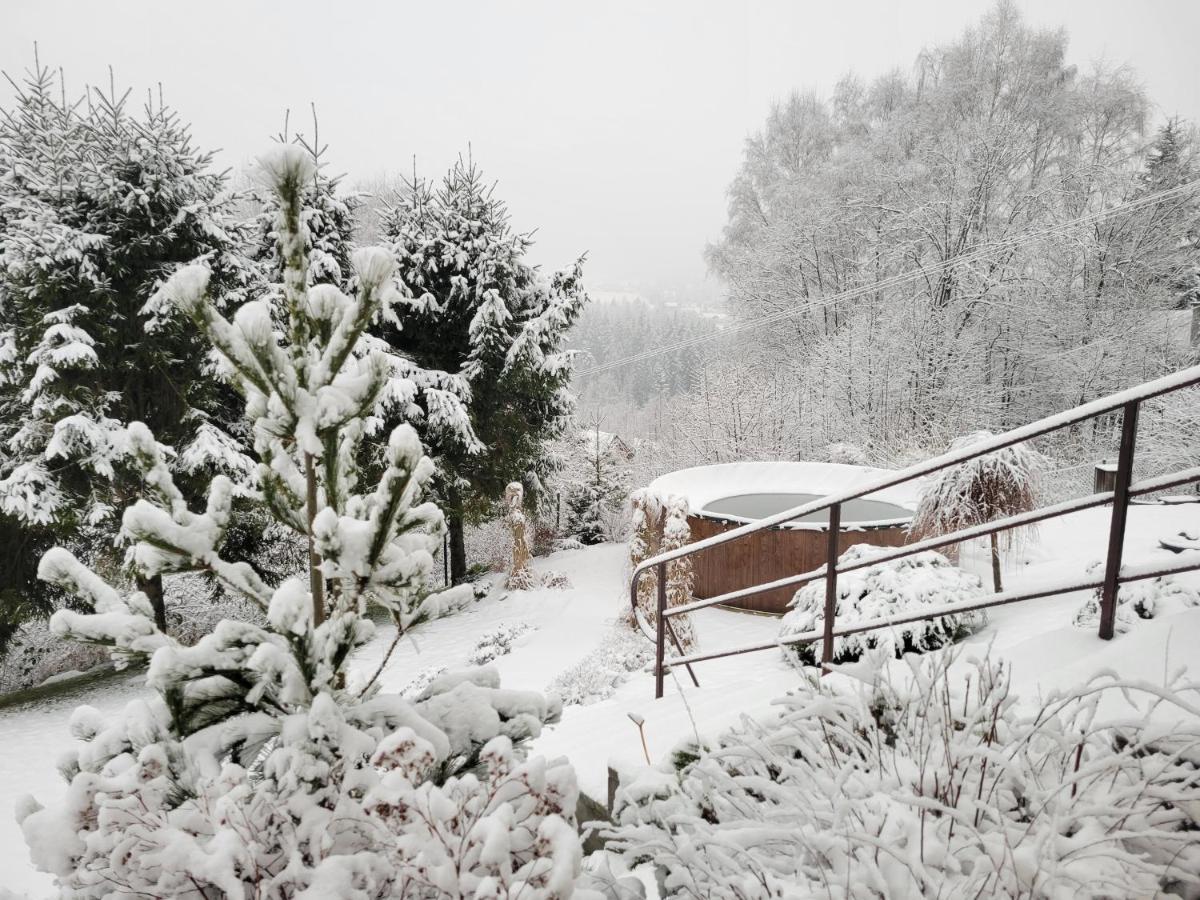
1046,650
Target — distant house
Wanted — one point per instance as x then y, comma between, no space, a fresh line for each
605,443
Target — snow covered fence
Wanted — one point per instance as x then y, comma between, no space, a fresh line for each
1127,401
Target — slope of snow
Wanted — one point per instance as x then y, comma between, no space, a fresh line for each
1037,637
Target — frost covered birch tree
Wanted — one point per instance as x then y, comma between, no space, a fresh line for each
263,765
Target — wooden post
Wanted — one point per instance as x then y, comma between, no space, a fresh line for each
831,558
1120,510
660,631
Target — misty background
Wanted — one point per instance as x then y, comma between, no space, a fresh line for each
613,128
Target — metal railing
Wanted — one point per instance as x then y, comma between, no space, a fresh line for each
1128,402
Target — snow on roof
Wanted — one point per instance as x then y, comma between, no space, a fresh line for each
701,485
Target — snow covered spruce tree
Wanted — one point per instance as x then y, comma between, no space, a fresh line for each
100,203
594,477
480,312
329,221
263,766
981,490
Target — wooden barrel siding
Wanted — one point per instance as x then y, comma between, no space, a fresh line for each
768,556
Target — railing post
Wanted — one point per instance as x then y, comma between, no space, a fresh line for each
660,631
1120,510
831,559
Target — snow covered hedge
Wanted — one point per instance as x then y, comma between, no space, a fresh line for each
602,671
942,785
497,642
886,589
1138,600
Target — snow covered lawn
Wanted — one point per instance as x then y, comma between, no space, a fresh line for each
1046,650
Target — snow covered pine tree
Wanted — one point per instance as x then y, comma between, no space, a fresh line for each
264,766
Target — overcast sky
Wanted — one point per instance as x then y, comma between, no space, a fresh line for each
612,127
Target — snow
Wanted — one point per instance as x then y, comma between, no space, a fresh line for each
1037,637
701,485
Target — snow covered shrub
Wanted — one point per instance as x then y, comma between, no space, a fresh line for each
194,607
940,786
902,586
421,681
845,454
34,654
989,487
680,574
450,600
660,524
497,642
1184,540
602,671
263,765
645,539
557,580
1137,600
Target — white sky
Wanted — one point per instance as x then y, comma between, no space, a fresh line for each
613,127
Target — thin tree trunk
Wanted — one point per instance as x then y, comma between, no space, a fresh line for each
153,589
996,563
458,548
316,581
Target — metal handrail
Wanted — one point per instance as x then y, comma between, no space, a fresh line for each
1128,401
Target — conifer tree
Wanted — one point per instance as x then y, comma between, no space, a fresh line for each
481,313
99,205
264,765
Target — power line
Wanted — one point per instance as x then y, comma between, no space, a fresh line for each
895,280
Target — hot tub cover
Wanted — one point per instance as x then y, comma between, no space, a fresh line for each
703,485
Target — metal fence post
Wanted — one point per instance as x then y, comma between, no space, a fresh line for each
831,559
1120,510
660,630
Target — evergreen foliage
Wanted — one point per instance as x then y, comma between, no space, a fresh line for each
479,312
264,765
98,203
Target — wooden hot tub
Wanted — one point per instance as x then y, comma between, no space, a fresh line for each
724,497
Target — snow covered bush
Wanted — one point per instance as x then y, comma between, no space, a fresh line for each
194,607
1137,600
989,487
497,642
606,668
263,765
907,585
846,454
645,537
421,681
680,573
942,785
659,524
